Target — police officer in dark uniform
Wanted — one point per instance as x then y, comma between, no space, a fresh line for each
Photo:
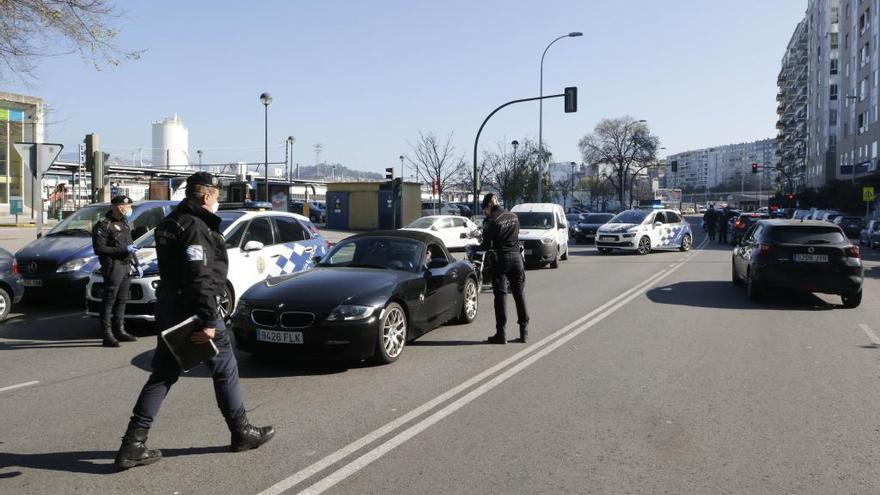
112,242
501,240
192,271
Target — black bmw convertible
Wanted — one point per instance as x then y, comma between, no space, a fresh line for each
369,296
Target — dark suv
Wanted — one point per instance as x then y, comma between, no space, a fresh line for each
811,256
11,289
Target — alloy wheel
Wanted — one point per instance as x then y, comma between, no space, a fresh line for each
394,332
470,300
644,245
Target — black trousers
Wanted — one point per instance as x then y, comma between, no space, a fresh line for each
114,295
722,233
508,275
166,371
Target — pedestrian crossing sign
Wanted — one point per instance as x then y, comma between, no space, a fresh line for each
867,193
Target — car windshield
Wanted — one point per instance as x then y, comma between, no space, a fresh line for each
422,223
81,222
376,252
534,220
573,217
812,234
227,217
631,216
597,218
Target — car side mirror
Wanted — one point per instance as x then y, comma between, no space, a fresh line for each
463,236
138,232
657,224
39,235
437,263
253,246
316,259
434,228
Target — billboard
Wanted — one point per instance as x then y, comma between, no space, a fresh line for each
668,195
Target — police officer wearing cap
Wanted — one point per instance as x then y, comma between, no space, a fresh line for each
192,271
112,242
501,240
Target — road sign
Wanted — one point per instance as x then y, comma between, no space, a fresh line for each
38,156
16,205
867,193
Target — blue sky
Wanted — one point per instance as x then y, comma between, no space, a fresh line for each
363,78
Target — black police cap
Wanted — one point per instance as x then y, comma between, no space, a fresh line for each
121,200
202,179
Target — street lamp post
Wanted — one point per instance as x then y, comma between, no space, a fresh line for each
199,152
402,173
266,99
853,131
574,34
290,141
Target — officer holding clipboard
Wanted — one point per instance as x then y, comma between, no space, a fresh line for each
192,271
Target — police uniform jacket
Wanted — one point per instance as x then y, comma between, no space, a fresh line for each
192,260
110,240
501,231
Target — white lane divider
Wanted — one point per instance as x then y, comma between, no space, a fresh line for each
20,385
580,325
871,335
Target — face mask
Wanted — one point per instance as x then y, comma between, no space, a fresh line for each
215,206
127,213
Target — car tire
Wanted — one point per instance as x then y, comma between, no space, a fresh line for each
226,304
753,289
734,277
565,254
852,299
392,334
644,245
470,302
5,304
604,250
555,262
685,243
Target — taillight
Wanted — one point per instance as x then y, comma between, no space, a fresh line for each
764,248
14,267
852,251
738,224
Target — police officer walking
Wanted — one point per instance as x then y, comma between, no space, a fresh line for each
192,269
501,240
112,242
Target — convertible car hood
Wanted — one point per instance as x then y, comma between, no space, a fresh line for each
323,288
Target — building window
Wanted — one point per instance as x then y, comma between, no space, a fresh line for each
832,92
863,85
832,117
864,55
833,66
834,40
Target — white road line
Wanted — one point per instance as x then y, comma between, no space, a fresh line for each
390,427
870,333
55,317
373,455
20,385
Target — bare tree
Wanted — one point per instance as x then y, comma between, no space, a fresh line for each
435,162
623,143
34,29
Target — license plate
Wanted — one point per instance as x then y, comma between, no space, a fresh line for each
607,238
31,282
279,337
811,258
527,251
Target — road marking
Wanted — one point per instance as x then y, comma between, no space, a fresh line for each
66,315
20,385
870,333
599,314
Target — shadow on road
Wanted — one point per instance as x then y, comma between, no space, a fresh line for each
85,462
872,272
447,343
724,295
261,366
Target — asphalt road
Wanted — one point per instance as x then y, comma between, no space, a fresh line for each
645,374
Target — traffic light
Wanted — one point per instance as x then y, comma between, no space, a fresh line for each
397,187
571,99
674,165
389,173
754,168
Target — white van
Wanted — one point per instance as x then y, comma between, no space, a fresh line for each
543,232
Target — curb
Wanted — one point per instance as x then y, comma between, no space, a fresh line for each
18,225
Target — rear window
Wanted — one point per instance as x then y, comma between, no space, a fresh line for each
807,235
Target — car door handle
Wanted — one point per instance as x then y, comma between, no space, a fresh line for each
309,250
275,255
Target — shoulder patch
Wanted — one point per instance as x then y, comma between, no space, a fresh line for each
195,252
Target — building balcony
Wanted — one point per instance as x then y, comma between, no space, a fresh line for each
780,96
780,124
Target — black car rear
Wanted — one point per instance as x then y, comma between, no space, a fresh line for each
810,256
585,231
852,226
743,223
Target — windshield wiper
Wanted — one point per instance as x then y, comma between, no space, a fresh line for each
366,265
817,241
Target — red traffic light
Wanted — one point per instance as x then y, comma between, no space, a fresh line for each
754,168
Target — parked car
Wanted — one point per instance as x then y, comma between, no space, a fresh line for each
742,223
317,210
11,288
59,263
370,296
455,232
466,210
644,230
831,216
259,244
585,230
852,226
573,220
433,208
543,233
812,256
801,214
870,235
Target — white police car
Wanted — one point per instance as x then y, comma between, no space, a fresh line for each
643,230
260,244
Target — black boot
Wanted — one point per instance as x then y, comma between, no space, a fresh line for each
246,436
124,336
498,338
109,339
134,451
524,332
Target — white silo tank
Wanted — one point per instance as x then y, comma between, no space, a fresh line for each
170,143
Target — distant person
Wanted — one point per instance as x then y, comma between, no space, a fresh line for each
710,219
726,215
501,240
112,243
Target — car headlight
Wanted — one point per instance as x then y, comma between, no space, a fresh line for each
547,240
350,312
242,308
73,265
